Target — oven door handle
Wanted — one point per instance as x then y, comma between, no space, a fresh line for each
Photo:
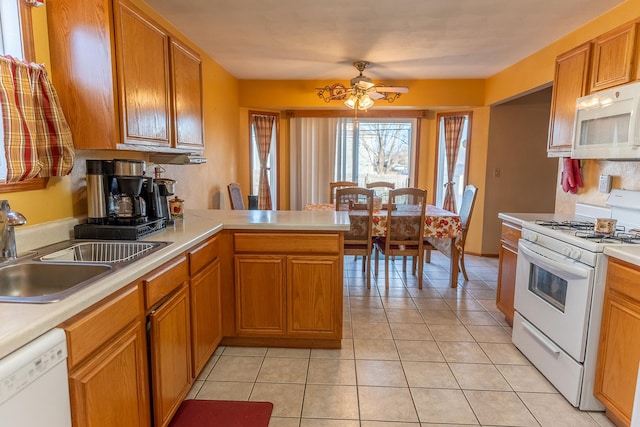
546,343
560,269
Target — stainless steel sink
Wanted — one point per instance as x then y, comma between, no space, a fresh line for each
54,272
41,282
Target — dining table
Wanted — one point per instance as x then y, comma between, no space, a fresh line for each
442,229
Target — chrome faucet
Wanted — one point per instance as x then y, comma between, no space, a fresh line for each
8,220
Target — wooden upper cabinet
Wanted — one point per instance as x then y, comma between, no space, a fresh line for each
143,72
83,70
186,74
613,53
118,85
570,82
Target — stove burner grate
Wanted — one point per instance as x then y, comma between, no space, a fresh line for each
567,225
617,237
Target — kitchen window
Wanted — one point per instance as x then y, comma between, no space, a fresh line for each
379,149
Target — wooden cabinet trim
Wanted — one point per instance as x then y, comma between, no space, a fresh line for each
93,327
294,243
164,280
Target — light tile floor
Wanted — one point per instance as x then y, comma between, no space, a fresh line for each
431,357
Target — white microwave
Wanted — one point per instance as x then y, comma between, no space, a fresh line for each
607,124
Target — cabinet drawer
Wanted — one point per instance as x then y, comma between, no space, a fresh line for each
203,255
93,327
164,280
511,233
286,243
623,278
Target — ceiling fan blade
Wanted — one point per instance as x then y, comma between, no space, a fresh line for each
375,95
363,84
398,89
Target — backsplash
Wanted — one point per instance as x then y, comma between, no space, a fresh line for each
625,174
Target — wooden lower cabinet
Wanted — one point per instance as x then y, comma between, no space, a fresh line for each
311,296
108,375
206,318
288,289
111,389
619,349
170,351
260,295
507,269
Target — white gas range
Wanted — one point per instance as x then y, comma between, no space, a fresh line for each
560,280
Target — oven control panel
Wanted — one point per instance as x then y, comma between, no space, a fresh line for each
558,246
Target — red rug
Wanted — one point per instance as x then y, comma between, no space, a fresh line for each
218,413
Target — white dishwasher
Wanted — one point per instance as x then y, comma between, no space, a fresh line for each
34,387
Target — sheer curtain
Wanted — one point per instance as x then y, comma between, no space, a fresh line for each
313,158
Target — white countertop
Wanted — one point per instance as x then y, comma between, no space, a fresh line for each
519,218
629,254
21,323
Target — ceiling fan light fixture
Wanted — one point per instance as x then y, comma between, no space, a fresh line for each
351,102
364,103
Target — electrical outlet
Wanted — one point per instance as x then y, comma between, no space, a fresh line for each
604,185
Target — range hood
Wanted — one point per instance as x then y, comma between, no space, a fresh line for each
177,158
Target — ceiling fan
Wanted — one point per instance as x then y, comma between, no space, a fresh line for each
363,92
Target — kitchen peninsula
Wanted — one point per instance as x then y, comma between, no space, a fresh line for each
299,243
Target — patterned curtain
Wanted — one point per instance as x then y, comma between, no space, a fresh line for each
452,132
37,139
263,126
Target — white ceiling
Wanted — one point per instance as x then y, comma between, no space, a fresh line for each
403,39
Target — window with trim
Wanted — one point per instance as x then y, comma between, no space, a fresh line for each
272,157
16,39
460,169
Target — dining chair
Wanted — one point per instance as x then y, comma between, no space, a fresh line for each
358,240
235,195
333,186
405,229
381,189
465,211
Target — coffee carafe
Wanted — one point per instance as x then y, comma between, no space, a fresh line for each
129,206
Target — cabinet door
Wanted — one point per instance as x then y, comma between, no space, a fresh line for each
506,281
111,388
186,77
570,82
170,349
314,295
143,74
619,350
206,315
613,57
260,295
